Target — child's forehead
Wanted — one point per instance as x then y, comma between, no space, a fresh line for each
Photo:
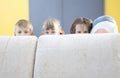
50,28
81,26
22,28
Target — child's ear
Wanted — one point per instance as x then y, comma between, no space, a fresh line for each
14,34
62,32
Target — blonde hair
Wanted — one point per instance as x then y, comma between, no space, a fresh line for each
24,24
86,21
51,24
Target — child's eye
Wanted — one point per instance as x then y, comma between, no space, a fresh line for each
78,31
19,32
85,32
25,31
53,31
47,32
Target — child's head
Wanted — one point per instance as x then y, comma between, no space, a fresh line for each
23,28
51,27
104,24
81,25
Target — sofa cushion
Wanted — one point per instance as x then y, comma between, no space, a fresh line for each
78,56
17,56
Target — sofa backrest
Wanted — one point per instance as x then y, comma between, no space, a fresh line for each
78,56
17,56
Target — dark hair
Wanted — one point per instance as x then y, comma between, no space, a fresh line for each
85,21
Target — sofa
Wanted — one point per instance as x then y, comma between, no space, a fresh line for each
60,56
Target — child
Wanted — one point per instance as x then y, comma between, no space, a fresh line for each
104,24
52,27
23,28
81,25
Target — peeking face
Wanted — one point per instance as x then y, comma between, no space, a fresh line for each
101,30
81,28
23,31
51,32
105,27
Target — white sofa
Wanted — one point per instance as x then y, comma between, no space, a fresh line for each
17,56
60,56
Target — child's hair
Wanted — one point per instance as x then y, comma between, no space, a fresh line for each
22,23
51,24
86,21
